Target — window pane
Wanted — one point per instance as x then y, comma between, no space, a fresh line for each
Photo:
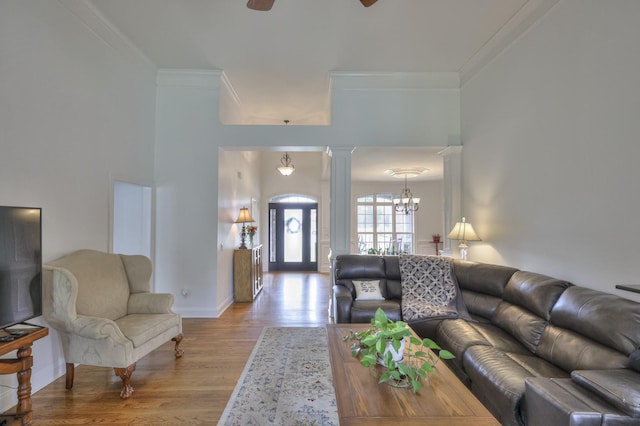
365,242
272,235
384,219
383,198
293,235
405,243
380,227
314,235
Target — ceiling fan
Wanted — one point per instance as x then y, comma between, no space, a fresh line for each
264,5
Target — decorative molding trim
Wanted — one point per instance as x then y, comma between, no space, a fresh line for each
394,80
226,83
204,79
450,150
105,31
520,22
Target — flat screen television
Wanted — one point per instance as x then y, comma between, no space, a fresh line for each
20,264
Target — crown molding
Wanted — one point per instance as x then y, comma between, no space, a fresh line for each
519,23
450,150
204,79
340,80
105,31
226,83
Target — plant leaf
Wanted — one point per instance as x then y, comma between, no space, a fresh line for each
444,354
417,385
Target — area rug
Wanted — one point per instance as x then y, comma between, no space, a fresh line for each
286,381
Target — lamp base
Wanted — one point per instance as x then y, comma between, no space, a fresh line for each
243,237
463,250
463,254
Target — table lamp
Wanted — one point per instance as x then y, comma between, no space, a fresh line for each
243,218
463,232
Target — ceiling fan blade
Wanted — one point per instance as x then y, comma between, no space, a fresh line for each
367,3
262,5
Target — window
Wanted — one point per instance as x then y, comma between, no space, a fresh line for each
380,228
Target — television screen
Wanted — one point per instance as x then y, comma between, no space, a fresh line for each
20,264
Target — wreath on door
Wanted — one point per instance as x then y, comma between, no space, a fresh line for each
293,225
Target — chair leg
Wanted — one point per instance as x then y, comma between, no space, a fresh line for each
70,374
125,375
178,339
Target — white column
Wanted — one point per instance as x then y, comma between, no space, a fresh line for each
452,191
340,207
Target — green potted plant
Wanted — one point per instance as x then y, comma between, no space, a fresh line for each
383,347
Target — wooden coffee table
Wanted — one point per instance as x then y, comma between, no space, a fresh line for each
443,401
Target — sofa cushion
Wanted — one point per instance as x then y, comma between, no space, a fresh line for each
482,277
140,328
367,290
534,292
563,402
456,335
103,287
606,318
619,387
393,289
521,324
479,304
497,379
572,351
362,311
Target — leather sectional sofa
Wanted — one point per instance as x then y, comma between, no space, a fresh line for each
538,350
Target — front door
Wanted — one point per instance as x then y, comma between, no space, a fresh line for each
293,237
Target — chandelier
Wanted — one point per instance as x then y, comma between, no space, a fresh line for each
406,203
287,166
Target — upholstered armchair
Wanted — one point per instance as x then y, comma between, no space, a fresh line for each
101,305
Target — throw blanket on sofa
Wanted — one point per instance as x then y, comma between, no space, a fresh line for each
429,288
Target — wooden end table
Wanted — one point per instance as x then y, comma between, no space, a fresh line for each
21,365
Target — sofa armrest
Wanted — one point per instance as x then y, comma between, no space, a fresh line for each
60,294
342,300
97,329
619,387
150,303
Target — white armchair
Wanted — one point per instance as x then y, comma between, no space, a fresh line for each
101,305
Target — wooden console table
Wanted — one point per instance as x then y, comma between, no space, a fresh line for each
21,338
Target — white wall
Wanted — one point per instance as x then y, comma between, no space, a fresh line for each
194,184
551,147
238,186
74,115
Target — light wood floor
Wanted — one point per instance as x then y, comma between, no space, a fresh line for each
194,389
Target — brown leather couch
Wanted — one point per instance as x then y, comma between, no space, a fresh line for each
538,350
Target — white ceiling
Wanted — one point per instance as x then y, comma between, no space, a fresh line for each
278,62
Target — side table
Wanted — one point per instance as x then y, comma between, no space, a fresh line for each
20,338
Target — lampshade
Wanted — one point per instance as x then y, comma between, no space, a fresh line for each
244,216
463,231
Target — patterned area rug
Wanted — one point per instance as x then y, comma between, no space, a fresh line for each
287,381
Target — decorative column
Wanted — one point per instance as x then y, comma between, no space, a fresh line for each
452,191
340,205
